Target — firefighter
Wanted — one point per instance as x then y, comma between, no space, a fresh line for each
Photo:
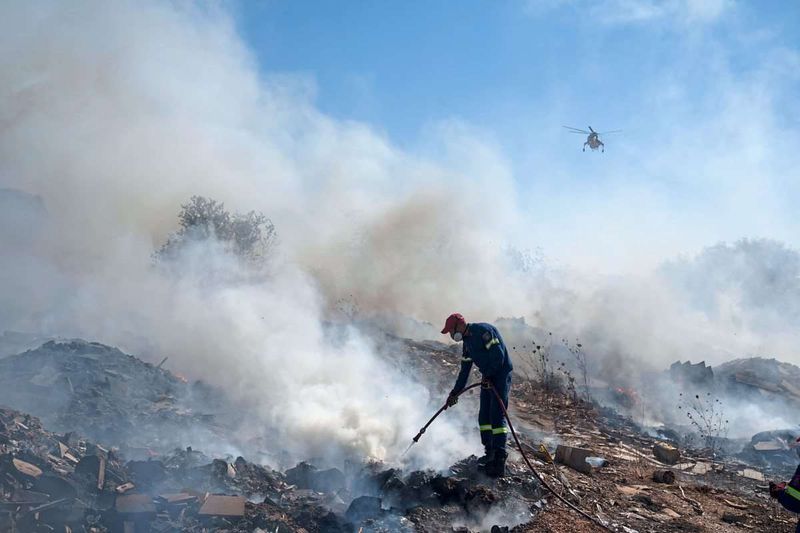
483,346
788,494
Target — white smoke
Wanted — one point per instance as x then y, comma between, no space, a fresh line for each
115,113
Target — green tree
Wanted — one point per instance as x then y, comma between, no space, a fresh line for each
248,236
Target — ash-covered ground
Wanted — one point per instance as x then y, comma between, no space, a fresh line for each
95,440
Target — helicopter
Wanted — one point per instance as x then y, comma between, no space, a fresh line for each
593,139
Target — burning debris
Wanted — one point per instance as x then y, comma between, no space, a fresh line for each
600,461
56,481
53,482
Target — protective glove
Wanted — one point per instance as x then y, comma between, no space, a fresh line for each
486,383
776,488
452,399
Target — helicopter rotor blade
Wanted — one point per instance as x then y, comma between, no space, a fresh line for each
590,129
608,132
575,130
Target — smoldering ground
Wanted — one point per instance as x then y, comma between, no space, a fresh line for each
115,114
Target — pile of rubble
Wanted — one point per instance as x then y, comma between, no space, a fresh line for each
52,482
767,379
633,481
109,396
55,482
613,469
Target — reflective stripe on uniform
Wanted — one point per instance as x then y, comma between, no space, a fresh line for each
485,427
492,343
793,492
499,431
466,359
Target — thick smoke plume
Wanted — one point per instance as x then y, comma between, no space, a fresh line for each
115,114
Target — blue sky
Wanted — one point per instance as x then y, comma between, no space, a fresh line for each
399,65
678,76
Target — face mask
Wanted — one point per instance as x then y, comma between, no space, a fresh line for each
457,336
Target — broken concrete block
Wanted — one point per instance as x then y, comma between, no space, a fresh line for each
574,458
227,506
666,453
664,476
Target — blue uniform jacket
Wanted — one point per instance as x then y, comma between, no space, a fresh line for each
483,346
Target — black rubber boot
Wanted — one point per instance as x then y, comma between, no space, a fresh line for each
486,460
497,468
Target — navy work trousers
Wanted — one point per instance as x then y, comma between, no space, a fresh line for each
491,421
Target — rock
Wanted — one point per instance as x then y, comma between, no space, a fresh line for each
647,502
731,518
306,476
670,513
363,508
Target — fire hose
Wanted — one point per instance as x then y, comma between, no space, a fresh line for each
521,451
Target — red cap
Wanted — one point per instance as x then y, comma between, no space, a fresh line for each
452,321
